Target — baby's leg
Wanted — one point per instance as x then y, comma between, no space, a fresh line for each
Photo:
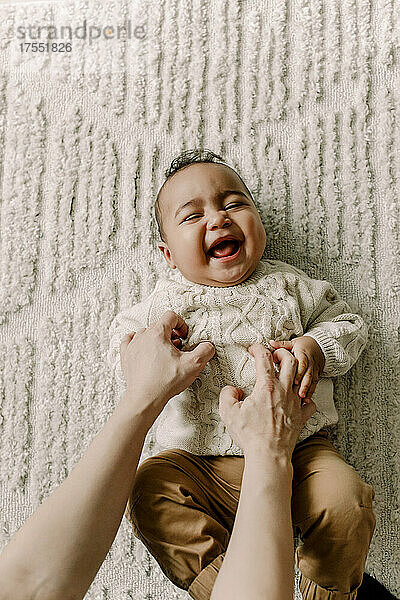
182,507
332,508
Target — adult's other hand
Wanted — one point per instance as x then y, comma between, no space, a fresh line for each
273,415
154,365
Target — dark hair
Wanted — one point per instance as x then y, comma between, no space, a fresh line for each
188,157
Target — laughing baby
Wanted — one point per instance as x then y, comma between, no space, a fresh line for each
184,499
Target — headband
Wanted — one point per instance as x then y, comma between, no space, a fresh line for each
220,162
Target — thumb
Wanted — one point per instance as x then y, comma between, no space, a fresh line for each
202,352
228,397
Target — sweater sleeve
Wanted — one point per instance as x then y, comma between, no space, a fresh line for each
341,334
127,321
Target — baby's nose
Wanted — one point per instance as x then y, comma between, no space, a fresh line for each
218,219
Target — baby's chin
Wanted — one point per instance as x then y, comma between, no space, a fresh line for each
220,275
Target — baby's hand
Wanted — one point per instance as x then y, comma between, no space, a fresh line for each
311,362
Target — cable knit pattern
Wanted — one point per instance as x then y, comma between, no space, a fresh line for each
278,302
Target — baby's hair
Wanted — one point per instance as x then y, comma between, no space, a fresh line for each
188,157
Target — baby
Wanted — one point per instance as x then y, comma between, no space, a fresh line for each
183,503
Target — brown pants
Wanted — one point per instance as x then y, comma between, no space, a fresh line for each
182,507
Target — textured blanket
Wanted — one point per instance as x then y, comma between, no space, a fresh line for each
96,98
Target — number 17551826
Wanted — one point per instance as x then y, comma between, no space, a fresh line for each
45,46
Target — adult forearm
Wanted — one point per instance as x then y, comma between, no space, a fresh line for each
60,548
259,559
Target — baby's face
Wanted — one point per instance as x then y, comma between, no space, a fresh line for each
196,211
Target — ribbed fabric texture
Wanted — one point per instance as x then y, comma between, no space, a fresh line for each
277,302
312,591
302,99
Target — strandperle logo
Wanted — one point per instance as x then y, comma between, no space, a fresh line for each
81,32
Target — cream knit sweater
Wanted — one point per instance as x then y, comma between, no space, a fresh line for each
278,301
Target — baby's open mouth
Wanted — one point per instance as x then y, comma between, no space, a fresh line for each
224,249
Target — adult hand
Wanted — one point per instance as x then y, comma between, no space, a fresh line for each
272,416
154,366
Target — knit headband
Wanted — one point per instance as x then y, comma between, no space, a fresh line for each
220,162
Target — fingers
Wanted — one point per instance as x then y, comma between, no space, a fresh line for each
281,344
176,340
228,397
171,320
201,354
264,363
306,382
287,367
302,366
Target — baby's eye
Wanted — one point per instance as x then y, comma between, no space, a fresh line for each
231,204
234,204
190,217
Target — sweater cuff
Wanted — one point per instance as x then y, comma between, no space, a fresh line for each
329,347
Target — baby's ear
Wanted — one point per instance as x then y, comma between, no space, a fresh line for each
166,254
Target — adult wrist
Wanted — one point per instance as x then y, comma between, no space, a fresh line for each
269,459
136,406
